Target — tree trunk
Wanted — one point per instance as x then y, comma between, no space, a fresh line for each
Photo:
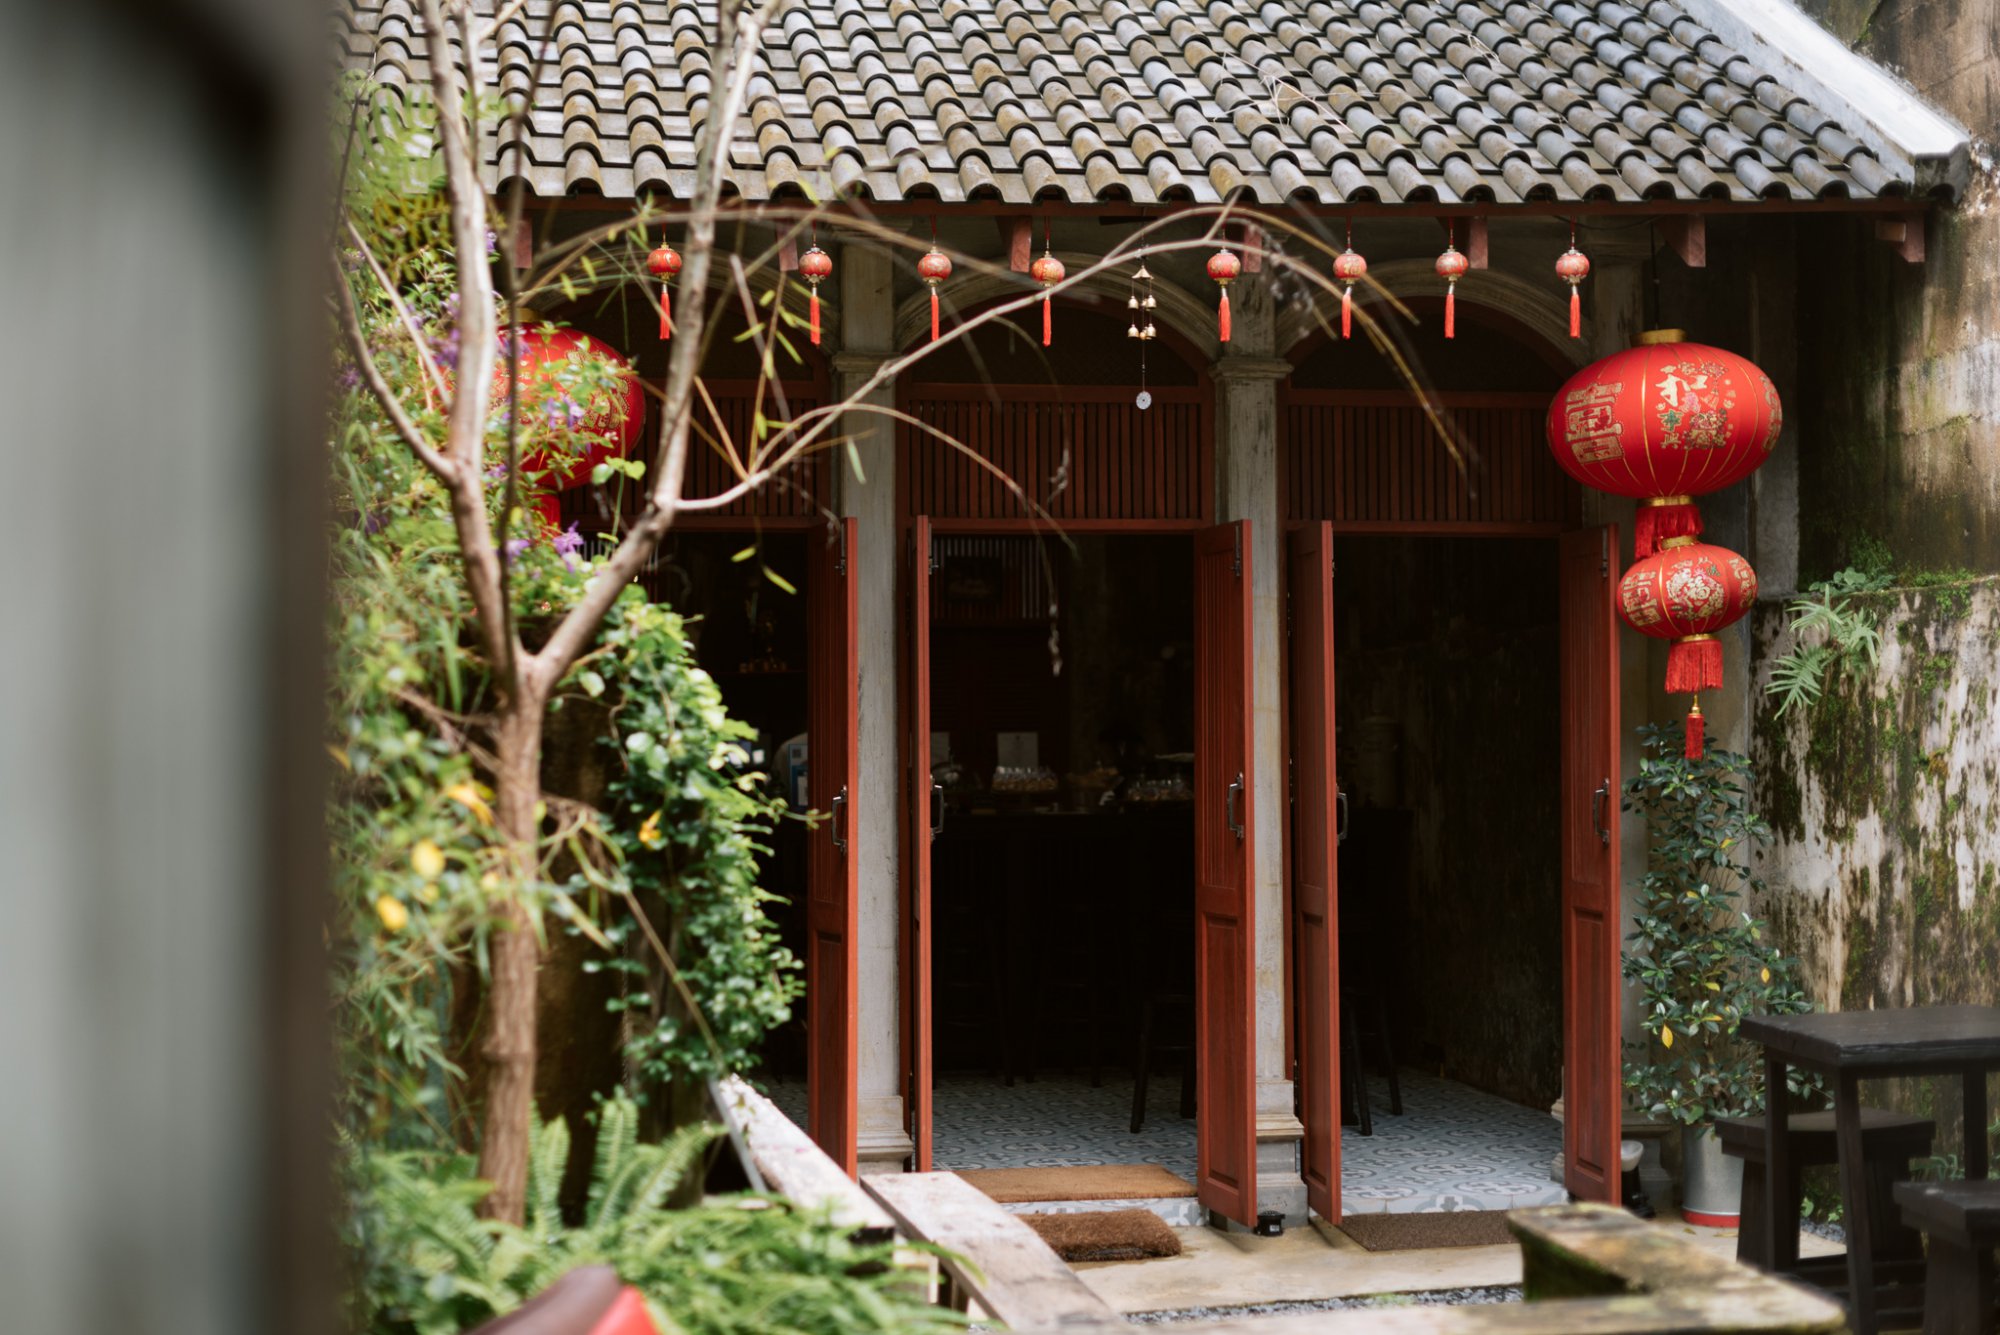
516,953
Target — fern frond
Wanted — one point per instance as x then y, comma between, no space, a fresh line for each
548,1157
617,1144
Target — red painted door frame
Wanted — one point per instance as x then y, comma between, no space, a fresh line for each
833,730
922,810
1593,1091
1315,872
1225,920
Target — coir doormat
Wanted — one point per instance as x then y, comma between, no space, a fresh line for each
1416,1232
1105,1235
1098,1182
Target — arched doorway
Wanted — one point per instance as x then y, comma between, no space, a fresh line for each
1436,771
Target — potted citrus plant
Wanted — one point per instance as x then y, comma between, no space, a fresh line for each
1701,961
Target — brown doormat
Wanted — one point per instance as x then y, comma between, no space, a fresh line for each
1416,1232
1106,1235
1099,1182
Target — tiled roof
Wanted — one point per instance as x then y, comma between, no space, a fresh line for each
1028,101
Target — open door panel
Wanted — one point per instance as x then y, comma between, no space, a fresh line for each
923,813
833,729
1314,865
1593,1091
1225,1046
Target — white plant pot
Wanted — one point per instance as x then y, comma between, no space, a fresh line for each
1711,1181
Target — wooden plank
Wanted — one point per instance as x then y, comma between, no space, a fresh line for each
997,1261
794,1167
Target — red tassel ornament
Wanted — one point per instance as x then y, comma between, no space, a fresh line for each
1451,267
1348,269
1657,518
1224,268
1694,663
934,268
1573,266
1684,593
663,264
1048,271
815,266
1697,733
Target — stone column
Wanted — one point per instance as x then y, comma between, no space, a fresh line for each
867,332
1246,487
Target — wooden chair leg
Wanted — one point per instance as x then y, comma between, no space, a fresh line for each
1389,1055
1357,1070
1142,1067
1958,1290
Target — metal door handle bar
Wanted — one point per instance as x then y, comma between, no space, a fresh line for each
1229,804
1597,802
937,809
835,825
1339,817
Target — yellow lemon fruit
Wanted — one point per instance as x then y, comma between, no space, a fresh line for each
1667,1035
427,860
392,913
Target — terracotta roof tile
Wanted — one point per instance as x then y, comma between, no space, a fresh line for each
1321,101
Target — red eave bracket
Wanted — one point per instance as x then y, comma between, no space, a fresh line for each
1687,233
1019,234
1906,233
1467,231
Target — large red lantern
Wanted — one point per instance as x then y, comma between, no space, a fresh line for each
1685,592
601,430
1662,423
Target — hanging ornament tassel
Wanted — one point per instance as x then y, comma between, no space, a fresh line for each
663,264
1573,266
1694,663
815,266
1659,518
1348,268
1451,267
1697,732
1223,267
934,268
1048,271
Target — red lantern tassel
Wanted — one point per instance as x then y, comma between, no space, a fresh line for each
1697,733
1694,664
1048,323
1347,312
812,308
1662,518
1451,312
1575,314
934,315
1222,317
666,311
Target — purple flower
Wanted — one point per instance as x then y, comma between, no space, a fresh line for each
492,242
497,473
566,412
350,377
567,544
515,546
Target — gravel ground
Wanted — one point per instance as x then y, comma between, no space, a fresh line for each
1501,1293
1822,1229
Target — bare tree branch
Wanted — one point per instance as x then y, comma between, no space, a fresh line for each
433,378
444,469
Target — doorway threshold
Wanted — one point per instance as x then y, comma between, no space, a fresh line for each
1453,1148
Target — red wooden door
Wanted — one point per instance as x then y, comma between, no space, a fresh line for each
1315,875
923,808
1225,1037
833,726
1593,1090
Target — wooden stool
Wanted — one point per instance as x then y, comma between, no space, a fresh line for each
1152,1044
1888,1142
1962,1220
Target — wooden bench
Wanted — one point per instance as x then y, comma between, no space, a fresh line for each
1962,1221
998,1261
1889,1141
794,1167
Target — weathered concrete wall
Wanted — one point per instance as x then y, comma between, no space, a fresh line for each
1903,360
1885,797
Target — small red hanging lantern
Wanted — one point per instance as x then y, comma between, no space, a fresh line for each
1451,267
1348,268
934,268
815,266
1662,423
663,264
609,431
1573,266
1224,268
1048,271
1685,592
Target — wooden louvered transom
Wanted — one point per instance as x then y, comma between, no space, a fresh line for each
1083,455
1375,462
798,494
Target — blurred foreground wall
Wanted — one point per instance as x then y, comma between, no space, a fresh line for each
162,1048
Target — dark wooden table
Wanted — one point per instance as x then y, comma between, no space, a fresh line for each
1849,1047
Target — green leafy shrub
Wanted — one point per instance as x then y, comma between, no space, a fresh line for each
1699,958
740,1265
